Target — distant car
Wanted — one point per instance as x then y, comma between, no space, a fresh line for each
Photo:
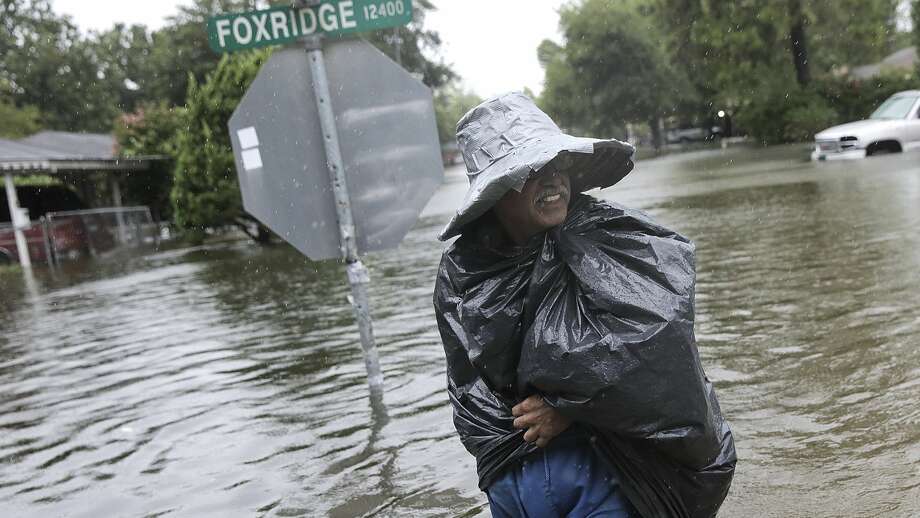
685,135
892,128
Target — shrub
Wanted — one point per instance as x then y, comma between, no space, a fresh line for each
206,195
779,115
792,115
152,130
854,99
16,122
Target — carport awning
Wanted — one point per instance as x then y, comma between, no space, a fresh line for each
51,152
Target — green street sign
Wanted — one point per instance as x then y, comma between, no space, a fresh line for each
238,31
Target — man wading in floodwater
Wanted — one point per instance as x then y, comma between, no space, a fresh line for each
567,325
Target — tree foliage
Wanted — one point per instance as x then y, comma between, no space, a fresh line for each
180,49
15,121
47,64
451,103
18,122
151,131
915,15
415,44
205,193
82,82
791,114
155,66
612,69
855,100
737,51
852,32
628,61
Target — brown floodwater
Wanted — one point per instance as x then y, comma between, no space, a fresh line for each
227,380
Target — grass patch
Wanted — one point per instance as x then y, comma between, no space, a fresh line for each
9,268
37,181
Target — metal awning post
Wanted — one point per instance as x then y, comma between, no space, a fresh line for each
116,202
46,240
12,202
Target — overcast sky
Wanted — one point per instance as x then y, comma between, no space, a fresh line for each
492,44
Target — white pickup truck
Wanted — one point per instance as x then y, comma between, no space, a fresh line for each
892,128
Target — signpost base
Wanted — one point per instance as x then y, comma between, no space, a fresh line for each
359,279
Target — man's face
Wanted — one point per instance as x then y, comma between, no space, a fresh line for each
542,204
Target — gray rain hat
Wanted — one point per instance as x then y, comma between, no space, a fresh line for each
507,139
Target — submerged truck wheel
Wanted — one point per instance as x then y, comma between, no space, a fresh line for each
883,147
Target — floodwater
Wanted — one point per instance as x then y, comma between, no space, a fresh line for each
227,380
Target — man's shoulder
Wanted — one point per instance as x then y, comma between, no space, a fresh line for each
591,213
587,209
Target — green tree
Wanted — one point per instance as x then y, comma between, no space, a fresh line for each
563,96
15,121
18,122
736,51
180,50
729,49
450,104
47,64
771,64
205,192
412,46
151,131
798,42
153,66
915,15
851,32
123,54
612,69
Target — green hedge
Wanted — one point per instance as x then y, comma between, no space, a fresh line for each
855,100
152,130
205,192
789,115
794,114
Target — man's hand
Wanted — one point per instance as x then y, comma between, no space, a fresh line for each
541,421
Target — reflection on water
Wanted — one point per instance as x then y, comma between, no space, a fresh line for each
227,381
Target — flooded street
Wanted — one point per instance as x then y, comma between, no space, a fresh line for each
227,380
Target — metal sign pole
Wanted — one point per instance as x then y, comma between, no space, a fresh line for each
357,274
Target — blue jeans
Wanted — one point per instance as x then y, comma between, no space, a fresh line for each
565,479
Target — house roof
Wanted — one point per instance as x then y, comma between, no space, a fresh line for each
904,59
77,145
17,150
52,152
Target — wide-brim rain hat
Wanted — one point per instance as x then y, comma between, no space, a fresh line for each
507,139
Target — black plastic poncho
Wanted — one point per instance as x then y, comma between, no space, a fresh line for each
596,316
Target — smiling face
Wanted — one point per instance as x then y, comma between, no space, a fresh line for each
542,204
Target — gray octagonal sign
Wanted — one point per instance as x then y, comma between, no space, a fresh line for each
387,134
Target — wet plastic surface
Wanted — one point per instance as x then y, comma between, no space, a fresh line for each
597,317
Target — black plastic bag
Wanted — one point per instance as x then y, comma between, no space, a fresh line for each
597,317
